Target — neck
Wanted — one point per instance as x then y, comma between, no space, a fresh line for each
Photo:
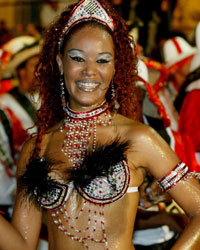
76,107
85,114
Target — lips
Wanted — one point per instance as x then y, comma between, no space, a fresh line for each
87,85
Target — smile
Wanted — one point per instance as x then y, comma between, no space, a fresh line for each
87,85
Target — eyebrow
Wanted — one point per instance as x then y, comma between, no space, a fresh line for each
72,50
101,53
107,53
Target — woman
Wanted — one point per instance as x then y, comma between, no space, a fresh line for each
82,171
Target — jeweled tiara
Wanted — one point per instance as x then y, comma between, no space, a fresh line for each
87,10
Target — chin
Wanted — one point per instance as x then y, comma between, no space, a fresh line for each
89,102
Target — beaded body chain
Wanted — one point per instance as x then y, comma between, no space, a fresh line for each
80,129
94,216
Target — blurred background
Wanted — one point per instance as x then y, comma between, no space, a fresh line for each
155,19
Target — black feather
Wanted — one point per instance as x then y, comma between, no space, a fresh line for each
98,163
35,181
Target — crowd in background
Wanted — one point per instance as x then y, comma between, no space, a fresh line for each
167,38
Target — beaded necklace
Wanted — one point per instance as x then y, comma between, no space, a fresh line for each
80,128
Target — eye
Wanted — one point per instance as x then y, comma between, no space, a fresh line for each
103,61
77,58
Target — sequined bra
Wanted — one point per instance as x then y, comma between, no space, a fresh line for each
101,190
99,181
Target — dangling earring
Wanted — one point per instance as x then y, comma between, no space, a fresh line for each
113,95
112,91
116,105
62,90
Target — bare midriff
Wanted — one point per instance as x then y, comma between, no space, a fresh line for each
119,220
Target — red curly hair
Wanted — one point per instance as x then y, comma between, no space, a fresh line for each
48,74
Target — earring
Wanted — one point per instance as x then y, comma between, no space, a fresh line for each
112,91
62,92
116,105
113,95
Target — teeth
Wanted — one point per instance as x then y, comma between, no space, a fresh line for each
87,84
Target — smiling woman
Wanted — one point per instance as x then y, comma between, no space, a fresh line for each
81,172
88,70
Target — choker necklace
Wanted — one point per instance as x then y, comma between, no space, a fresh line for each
80,129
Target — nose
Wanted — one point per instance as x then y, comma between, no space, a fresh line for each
90,69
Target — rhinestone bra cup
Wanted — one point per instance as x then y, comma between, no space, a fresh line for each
105,190
101,190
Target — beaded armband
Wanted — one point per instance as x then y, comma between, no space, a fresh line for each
178,173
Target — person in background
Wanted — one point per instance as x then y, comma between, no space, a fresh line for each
17,110
160,113
187,102
157,223
5,33
7,167
22,101
185,17
177,56
33,30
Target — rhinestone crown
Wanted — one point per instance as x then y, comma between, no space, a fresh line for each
87,10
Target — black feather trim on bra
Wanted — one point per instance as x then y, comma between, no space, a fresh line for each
97,164
36,183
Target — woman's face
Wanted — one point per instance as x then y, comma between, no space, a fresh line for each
88,67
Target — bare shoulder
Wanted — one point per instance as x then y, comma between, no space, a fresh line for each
26,151
147,148
29,145
143,133
135,129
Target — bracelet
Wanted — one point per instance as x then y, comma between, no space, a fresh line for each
173,177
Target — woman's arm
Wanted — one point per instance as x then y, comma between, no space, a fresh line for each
187,195
23,232
156,156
